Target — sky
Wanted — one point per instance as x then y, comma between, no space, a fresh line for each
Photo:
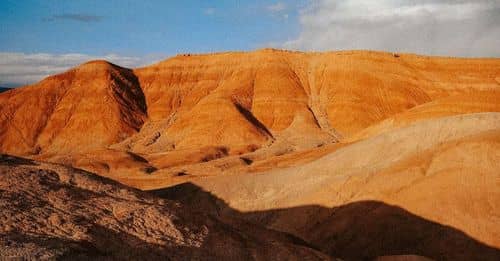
43,37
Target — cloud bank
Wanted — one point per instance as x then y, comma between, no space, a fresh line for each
21,68
84,18
434,27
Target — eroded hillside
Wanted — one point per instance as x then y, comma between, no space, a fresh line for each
333,148
191,109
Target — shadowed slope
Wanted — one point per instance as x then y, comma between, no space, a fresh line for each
50,211
361,230
443,170
73,214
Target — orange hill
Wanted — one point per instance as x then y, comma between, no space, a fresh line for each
273,135
242,101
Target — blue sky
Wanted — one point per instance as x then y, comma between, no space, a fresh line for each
43,37
143,27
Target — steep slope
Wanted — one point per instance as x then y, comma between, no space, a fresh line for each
249,98
358,89
54,212
338,93
85,108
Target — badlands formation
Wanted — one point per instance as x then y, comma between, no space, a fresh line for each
269,154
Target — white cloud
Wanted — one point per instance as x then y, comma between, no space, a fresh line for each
209,11
438,27
276,8
22,68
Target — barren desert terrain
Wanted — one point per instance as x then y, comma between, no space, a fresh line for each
262,155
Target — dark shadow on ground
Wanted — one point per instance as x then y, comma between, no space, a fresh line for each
104,244
10,160
357,231
47,218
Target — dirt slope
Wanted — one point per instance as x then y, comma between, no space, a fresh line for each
50,211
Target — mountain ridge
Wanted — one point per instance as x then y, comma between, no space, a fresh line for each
212,87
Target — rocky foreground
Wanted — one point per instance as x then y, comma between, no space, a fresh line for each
54,212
